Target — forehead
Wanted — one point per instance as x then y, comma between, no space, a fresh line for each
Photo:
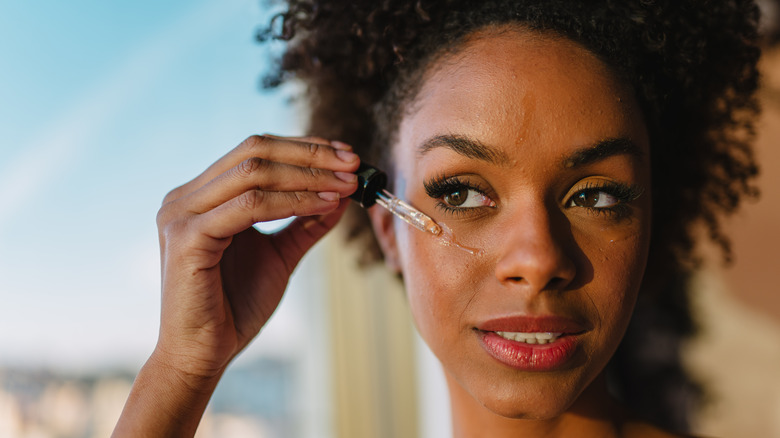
515,87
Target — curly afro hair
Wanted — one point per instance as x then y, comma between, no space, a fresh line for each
692,66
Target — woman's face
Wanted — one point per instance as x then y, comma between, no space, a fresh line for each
529,150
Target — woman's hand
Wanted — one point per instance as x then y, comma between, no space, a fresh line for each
221,279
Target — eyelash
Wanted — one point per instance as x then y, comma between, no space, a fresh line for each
623,193
440,186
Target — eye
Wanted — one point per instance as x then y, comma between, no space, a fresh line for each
593,198
466,198
458,194
604,196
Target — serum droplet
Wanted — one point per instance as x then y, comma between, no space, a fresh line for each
447,238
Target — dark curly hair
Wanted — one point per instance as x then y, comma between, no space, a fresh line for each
691,64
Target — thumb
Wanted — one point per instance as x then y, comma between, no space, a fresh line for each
297,238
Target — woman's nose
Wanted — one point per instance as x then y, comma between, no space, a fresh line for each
536,253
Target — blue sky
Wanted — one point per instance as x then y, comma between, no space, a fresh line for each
104,107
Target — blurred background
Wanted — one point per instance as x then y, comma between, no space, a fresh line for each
106,106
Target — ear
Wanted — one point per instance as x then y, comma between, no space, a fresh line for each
382,221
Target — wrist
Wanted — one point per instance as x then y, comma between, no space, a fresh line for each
165,401
198,375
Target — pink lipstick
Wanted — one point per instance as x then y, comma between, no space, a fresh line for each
531,343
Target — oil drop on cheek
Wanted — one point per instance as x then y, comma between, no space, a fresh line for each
447,238
371,190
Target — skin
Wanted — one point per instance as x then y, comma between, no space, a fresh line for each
221,279
537,103
532,101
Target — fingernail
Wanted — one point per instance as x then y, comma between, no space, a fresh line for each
340,145
346,176
346,156
329,196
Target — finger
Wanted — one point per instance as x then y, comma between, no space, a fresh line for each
313,139
298,237
304,139
313,154
255,206
256,173
299,153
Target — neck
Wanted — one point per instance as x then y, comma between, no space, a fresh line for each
593,414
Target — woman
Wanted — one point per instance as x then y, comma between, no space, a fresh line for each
574,145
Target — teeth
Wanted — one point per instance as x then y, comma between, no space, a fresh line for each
530,338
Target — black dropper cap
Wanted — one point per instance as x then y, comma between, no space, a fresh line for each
370,181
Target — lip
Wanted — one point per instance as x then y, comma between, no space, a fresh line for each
532,357
532,324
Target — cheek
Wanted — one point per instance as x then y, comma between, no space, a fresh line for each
617,255
439,280
618,268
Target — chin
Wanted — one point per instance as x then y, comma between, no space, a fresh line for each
544,408
531,398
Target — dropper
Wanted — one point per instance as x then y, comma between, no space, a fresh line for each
371,190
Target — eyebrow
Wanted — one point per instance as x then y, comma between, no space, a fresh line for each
472,148
467,147
602,150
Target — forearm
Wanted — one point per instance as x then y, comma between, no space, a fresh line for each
164,403
222,280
